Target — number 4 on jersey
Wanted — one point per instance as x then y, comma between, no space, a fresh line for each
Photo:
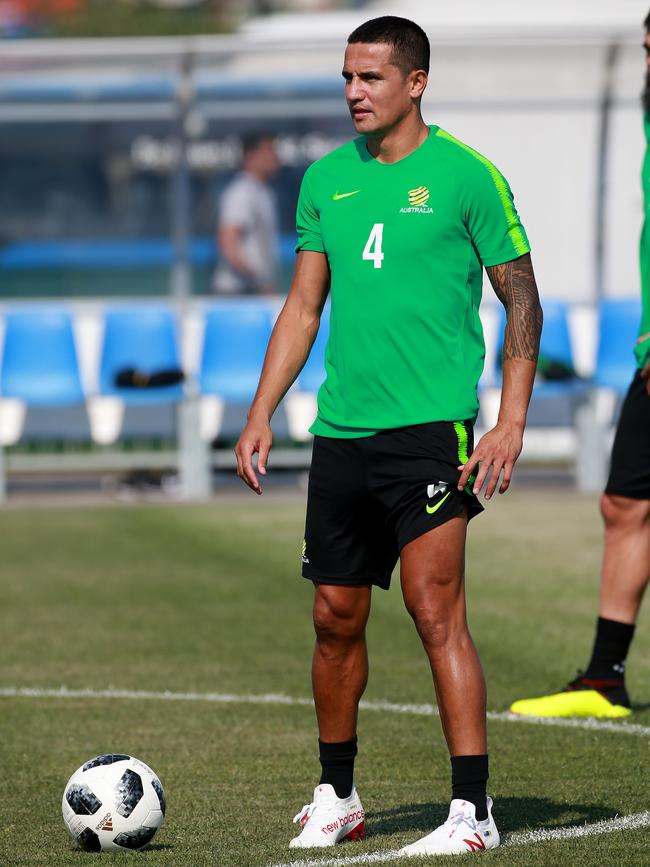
374,255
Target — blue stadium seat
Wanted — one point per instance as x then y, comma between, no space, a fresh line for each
145,338
39,365
555,345
235,341
553,403
312,375
619,320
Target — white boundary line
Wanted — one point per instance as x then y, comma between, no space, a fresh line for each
522,838
606,826
279,699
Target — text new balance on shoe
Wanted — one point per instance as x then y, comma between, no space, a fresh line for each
329,820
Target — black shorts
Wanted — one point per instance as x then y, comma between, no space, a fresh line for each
369,497
629,474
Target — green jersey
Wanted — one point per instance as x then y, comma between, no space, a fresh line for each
406,243
642,349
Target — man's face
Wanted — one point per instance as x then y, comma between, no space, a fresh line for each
646,90
263,159
377,92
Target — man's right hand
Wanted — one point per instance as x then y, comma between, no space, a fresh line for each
256,437
645,376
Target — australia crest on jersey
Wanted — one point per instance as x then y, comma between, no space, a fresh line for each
418,199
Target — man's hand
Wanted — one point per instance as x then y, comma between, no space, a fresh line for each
256,437
498,449
645,376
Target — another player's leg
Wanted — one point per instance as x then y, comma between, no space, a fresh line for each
339,677
625,508
432,575
600,691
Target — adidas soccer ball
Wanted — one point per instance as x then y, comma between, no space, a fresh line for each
113,802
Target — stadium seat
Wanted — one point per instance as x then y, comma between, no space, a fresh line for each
235,339
301,403
39,367
142,337
619,320
555,345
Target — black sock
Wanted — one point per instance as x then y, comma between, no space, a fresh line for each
337,762
469,776
610,651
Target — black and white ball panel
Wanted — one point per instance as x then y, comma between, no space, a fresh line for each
108,759
161,795
135,839
128,793
82,801
89,841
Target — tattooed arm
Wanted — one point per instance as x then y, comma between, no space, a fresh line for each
514,284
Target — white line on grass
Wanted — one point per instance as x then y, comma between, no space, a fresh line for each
523,838
607,826
279,699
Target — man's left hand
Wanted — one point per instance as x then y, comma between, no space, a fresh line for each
498,450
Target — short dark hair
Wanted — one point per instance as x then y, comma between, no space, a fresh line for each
410,44
250,141
646,23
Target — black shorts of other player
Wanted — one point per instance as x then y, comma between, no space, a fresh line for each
369,497
629,474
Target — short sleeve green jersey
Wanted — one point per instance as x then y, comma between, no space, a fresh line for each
405,243
642,348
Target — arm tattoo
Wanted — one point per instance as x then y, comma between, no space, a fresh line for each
514,285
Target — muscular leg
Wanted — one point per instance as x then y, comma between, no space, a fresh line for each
626,569
433,586
339,676
340,663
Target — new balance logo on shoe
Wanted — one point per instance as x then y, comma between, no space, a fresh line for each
476,844
329,820
460,834
343,821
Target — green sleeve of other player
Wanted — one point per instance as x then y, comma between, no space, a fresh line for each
308,220
642,349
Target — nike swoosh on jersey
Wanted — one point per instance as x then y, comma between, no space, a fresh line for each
433,509
337,196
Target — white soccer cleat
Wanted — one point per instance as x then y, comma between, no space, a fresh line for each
329,820
461,833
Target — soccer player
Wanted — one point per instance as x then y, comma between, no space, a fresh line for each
397,226
600,691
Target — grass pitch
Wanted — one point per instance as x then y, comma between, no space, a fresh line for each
209,599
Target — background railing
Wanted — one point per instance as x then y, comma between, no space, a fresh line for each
114,153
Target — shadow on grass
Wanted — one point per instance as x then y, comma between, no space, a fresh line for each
153,847
511,814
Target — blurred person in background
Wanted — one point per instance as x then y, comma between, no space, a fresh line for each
400,223
600,690
247,230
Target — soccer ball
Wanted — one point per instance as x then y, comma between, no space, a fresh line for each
113,802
